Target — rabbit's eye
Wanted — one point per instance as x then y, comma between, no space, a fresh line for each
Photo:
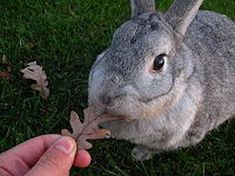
159,61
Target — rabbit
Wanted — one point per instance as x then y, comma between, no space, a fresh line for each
171,76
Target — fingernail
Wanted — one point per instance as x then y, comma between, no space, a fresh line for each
65,144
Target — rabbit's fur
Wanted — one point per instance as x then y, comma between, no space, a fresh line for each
192,94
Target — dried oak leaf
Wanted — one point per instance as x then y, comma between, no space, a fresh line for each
7,73
89,129
35,72
4,74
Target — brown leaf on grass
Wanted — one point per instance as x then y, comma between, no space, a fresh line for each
35,72
4,74
89,129
7,72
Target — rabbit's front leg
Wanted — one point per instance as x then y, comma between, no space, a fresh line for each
141,153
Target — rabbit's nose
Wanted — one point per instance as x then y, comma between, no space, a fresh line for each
105,99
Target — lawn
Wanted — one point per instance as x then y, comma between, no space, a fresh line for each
65,36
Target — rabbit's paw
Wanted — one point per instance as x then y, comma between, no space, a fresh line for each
140,153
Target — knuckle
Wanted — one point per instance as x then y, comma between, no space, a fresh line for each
4,171
49,162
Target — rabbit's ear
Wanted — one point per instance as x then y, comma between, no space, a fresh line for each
181,14
141,6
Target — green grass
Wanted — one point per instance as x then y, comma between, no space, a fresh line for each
65,36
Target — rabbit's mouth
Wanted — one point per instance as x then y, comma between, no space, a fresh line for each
116,112
105,112
126,107
116,117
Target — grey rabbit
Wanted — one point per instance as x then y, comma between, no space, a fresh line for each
171,76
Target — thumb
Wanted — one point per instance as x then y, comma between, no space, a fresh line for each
57,160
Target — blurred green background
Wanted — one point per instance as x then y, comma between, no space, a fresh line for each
65,36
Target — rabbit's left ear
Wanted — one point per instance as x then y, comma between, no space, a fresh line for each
181,14
141,6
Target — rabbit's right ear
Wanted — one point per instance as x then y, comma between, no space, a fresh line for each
181,14
141,6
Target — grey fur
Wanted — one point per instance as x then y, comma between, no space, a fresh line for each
177,106
140,6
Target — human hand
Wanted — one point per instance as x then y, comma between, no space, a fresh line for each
47,155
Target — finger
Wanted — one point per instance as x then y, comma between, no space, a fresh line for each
18,160
82,159
57,160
